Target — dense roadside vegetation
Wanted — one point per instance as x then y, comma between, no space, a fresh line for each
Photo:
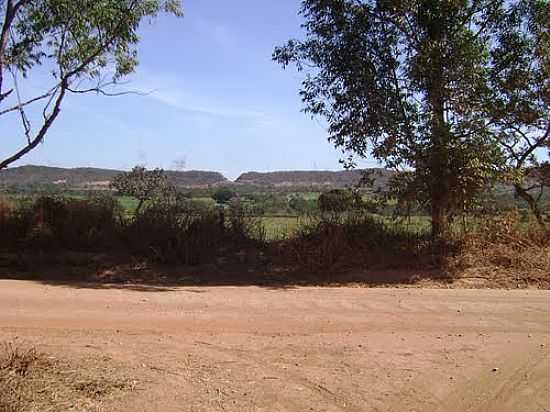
452,97
307,232
282,211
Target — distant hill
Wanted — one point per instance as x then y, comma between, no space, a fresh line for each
82,178
320,179
196,178
92,178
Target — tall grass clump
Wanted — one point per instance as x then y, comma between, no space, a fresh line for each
15,366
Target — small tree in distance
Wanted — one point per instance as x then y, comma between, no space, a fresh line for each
339,201
142,184
298,204
223,196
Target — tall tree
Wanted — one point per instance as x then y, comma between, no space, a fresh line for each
86,45
408,81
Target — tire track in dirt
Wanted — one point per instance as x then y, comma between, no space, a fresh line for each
521,383
282,374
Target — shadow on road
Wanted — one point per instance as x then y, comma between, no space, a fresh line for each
158,278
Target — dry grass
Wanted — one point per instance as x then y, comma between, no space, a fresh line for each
33,381
503,254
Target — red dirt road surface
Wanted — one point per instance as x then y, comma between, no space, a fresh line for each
304,349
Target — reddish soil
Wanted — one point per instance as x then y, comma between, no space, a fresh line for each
303,349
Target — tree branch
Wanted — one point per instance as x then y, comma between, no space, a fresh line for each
28,102
42,133
100,90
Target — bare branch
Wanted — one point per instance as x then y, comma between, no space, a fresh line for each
5,95
24,119
41,134
73,74
538,143
100,90
28,102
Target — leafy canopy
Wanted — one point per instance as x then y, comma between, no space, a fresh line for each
223,196
519,103
144,185
409,82
73,33
86,46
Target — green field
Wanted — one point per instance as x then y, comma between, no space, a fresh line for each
279,227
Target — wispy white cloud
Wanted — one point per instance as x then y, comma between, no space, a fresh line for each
186,103
176,93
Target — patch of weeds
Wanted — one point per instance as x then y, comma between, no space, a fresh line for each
33,381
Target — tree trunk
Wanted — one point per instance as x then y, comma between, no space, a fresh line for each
439,174
139,206
440,219
438,157
532,203
222,220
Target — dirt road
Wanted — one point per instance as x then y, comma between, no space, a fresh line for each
306,349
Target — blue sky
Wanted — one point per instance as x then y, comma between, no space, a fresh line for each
218,101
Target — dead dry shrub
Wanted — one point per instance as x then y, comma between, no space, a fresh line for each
33,381
504,250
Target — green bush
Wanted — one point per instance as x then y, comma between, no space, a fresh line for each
354,238
169,234
297,204
10,227
339,201
223,196
242,226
